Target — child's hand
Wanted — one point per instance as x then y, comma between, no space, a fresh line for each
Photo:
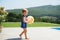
27,20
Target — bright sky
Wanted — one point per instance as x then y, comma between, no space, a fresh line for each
11,4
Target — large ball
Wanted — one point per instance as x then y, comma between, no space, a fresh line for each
30,19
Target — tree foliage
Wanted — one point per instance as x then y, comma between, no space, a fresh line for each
13,17
3,14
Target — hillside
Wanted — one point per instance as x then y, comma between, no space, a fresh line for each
47,10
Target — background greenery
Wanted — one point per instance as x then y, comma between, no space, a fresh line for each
47,13
35,24
44,16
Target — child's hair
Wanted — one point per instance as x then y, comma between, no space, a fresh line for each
24,10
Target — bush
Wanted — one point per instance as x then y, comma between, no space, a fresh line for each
13,17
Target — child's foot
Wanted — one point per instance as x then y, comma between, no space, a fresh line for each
20,36
27,38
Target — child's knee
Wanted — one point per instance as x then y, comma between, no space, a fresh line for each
25,30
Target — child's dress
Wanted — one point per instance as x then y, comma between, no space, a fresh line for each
23,24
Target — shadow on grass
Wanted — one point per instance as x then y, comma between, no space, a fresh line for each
15,39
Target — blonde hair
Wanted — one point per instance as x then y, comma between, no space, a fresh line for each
25,10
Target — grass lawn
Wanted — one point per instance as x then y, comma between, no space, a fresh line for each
35,24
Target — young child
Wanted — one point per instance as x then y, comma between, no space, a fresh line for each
24,23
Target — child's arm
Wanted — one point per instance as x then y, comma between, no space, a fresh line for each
25,19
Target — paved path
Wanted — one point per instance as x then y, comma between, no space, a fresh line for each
33,33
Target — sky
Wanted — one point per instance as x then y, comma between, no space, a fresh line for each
15,4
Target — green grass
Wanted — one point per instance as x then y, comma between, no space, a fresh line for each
35,24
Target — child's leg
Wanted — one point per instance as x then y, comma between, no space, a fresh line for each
21,34
25,33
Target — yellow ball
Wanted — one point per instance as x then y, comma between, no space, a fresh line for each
30,19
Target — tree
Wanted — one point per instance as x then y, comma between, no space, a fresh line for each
3,15
50,19
13,17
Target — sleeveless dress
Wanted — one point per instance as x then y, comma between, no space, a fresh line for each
23,24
